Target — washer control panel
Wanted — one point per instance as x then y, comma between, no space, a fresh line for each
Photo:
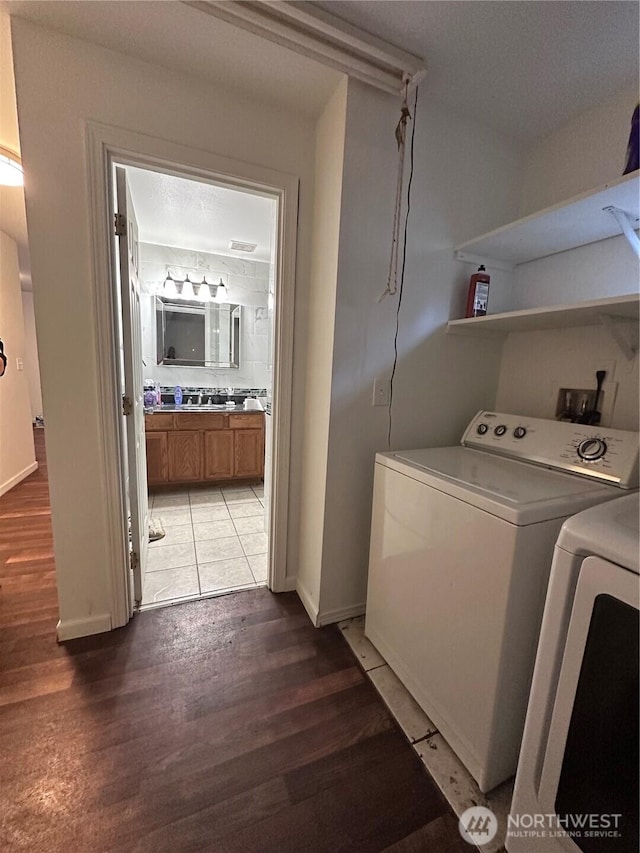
600,453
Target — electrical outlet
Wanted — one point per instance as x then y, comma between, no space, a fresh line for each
381,392
19,364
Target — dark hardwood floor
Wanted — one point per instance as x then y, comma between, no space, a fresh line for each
229,724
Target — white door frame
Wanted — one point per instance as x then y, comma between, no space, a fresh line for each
106,145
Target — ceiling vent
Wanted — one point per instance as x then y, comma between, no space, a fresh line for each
239,246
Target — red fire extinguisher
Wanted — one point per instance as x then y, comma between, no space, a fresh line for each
478,293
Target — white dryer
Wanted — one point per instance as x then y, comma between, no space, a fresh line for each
577,782
461,547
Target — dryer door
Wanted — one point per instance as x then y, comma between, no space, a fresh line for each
589,777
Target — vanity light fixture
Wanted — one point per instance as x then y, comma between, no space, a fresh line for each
169,287
187,289
11,171
221,292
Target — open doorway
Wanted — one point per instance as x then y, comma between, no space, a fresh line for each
195,311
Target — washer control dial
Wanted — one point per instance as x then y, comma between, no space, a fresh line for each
482,429
519,432
591,449
500,429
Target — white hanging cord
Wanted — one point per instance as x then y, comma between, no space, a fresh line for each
401,138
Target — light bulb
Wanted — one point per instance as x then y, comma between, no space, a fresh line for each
221,292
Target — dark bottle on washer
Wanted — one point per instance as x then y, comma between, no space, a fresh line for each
478,297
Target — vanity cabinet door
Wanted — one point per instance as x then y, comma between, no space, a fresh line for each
185,456
218,454
248,453
157,463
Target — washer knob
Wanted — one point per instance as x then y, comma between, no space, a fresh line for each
500,429
519,432
482,429
591,449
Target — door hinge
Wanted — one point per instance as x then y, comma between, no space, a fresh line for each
134,560
120,224
127,405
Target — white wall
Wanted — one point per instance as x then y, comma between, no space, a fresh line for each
17,455
329,156
247,284
586,152
62,82
536,365
32,364
466,181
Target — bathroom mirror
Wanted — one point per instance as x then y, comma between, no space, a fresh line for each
196,334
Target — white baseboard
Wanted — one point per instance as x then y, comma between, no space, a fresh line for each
71,629
290,583
328,617
307,601
22,475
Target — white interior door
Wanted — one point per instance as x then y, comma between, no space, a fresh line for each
133,398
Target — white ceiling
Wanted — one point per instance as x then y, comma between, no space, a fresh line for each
202,217
523,68
176,36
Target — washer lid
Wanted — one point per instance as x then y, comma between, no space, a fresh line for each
518,492
611,531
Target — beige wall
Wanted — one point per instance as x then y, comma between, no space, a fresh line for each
61,83
584,153
17,456
329,156
466,181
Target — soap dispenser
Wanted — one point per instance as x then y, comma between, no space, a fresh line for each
177,395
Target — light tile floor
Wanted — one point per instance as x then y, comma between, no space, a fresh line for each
449,773
215,541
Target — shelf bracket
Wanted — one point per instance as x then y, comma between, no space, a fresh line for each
477,260
624,221
614,326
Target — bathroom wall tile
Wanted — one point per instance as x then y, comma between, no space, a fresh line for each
366,653
258,564
170,557
252,524
244,510
256,348
170,583
411,718
213,529
224,574
212,550
254,543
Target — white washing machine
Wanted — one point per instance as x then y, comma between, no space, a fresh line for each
577,782
461,546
